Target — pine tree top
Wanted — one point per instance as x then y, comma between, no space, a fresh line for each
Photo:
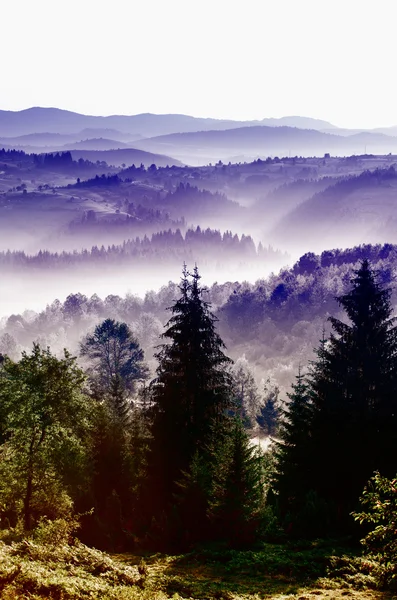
367,301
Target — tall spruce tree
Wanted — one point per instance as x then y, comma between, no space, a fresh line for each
190,395
293,476
238,494
354,393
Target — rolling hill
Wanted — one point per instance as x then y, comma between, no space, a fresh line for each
357,209
126,156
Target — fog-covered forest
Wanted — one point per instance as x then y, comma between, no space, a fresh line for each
198,373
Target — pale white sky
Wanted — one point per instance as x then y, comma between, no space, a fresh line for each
245,59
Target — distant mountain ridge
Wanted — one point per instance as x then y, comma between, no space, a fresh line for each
54,120
262,141
191,140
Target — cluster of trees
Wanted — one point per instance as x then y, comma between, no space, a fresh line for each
11,155
103,180
170,246
168,463
56,159
305,291
189,198
275,322
340,424
310,262
140,219
49,160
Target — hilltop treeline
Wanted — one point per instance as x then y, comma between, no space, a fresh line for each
51,160
275,322
165,246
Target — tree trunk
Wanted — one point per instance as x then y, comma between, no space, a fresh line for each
29,491
29,484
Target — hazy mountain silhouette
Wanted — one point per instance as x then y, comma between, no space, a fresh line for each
54,120
300,122
264,141
97,144
56,141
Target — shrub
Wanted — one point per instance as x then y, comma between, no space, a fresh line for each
379,501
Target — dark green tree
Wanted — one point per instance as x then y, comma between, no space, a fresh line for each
191,394
354,395
116,367
378,511
293,476
245,391
238,497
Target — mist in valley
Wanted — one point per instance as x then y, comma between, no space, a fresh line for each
96,229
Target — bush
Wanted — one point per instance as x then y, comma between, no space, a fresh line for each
379,500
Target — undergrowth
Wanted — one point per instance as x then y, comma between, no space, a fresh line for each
51,563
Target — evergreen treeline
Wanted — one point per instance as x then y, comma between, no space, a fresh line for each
162,246
340,425
275,323
51,160
103,180
188,197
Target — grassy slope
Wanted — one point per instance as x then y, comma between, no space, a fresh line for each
30,569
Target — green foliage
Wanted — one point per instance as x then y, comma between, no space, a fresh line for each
355,572
190,396
379,503
292,479
354,396
34,568
119,462
340,425
238,495
55,532
54,565
46,425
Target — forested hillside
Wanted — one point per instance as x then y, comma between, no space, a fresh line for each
219,425
166,463
275,323
198,301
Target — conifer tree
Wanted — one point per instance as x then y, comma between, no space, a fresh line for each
293,477
354,398
190,395
238,495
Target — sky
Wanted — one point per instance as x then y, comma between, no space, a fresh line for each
208,58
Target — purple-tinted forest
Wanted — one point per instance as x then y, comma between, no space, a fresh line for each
198,356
